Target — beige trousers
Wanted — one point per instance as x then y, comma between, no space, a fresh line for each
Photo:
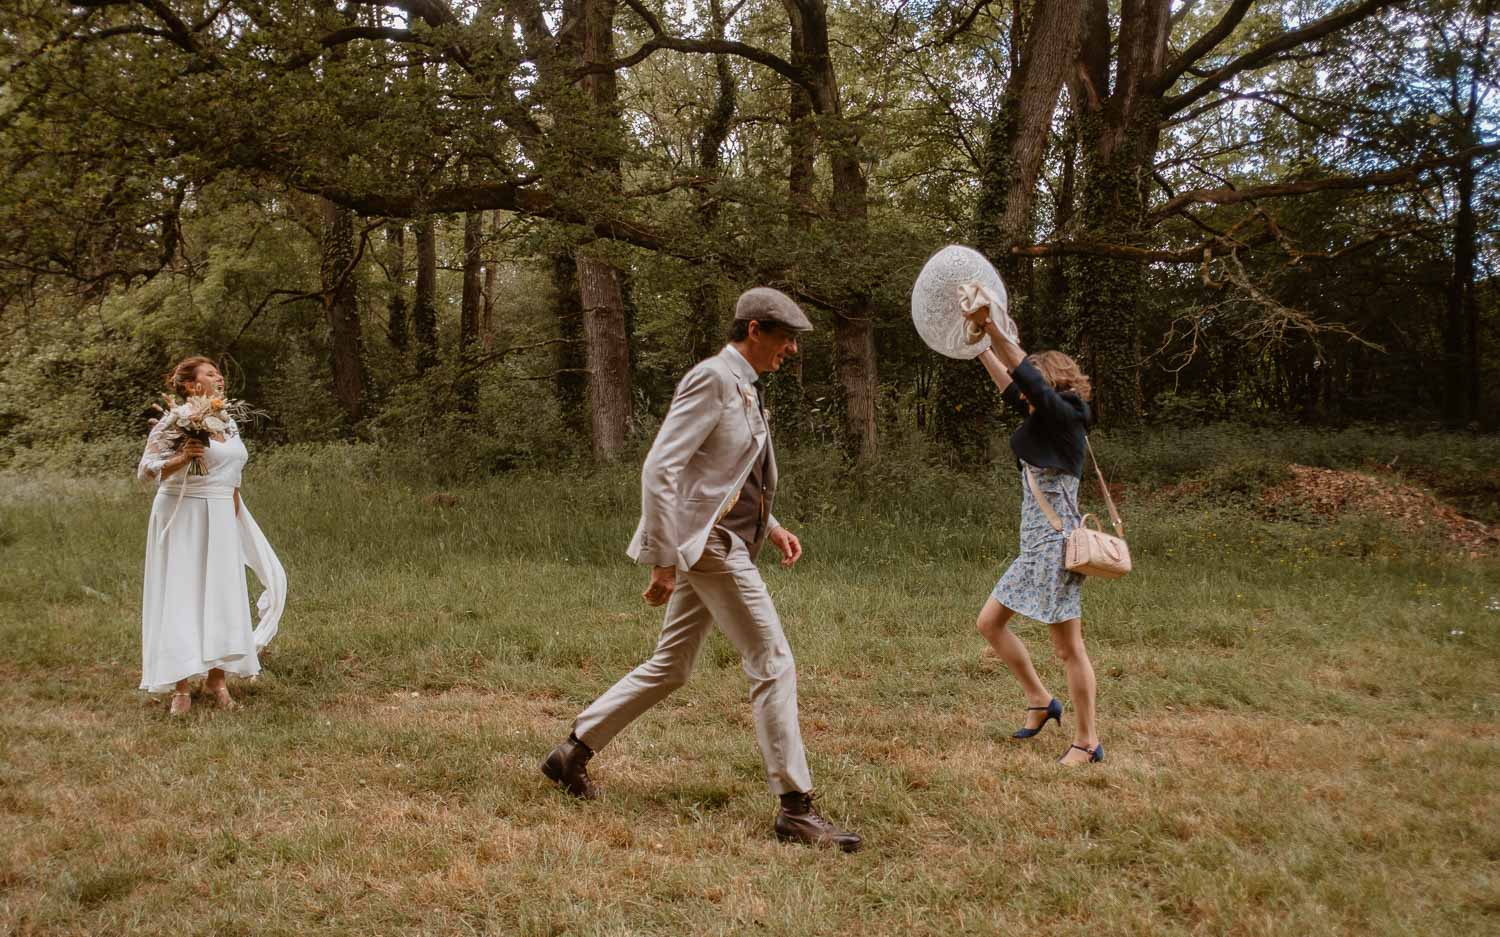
726,589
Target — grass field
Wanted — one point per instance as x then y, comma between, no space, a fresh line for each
1301,724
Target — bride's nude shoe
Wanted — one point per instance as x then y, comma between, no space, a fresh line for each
180,704
221,696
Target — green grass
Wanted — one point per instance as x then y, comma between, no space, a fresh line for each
1301,725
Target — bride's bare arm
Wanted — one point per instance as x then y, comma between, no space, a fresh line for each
160,461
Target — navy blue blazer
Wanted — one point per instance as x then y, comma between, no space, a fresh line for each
1055,431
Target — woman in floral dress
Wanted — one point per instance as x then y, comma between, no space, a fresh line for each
1052,392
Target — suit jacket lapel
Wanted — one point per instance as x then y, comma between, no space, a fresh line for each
755,419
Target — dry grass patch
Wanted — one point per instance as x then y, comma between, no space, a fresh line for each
1297,743
352,828
1329,493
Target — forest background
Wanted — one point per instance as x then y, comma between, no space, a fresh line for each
506,227
460,251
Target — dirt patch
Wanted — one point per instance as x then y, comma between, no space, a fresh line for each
1329,493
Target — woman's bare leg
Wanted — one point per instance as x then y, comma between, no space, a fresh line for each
218,690
181,700
1010,649
1067,641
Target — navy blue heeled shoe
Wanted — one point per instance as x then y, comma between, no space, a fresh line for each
1095,754
1054,712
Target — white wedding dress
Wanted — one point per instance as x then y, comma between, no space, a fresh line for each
195,606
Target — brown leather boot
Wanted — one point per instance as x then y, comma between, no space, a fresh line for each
797,821
568,766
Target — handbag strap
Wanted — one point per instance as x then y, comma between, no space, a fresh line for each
1051,513
1114,515
1042,502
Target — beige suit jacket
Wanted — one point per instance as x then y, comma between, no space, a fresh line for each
712,436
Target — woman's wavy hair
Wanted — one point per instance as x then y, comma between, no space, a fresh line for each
1063,373
185,372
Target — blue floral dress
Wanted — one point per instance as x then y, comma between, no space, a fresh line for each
1036,584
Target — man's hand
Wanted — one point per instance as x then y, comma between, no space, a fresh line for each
663,581
790,547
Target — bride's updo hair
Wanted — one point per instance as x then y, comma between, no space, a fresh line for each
1063,373
180,378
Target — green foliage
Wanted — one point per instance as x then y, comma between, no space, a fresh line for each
200,186
1243,480
504,426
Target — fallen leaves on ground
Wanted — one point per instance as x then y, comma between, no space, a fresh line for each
1332,492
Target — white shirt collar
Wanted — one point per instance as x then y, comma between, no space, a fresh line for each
739,363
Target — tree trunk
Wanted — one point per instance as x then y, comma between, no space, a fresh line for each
968,416
471,303
473,286
706,329
588,36
395,264
1120,133
341,303
424,309
802,154
802,135
1018,134
1467,229
1460,329
571,384
608,352
1051,331
854,359
491,279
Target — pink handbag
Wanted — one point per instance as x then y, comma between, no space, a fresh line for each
1089,551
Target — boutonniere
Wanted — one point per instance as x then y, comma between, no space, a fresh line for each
749,393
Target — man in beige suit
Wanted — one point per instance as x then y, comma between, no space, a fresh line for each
706,493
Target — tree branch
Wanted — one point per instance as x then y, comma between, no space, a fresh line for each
956,30
1269,100
1266,52
1182,11
452,200
350,34
1227,196
1205,44
474,364
255,313
434,13
176,32
1190,255
661,39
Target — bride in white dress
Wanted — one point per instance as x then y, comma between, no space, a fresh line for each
195,606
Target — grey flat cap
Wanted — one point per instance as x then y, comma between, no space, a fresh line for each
764,303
